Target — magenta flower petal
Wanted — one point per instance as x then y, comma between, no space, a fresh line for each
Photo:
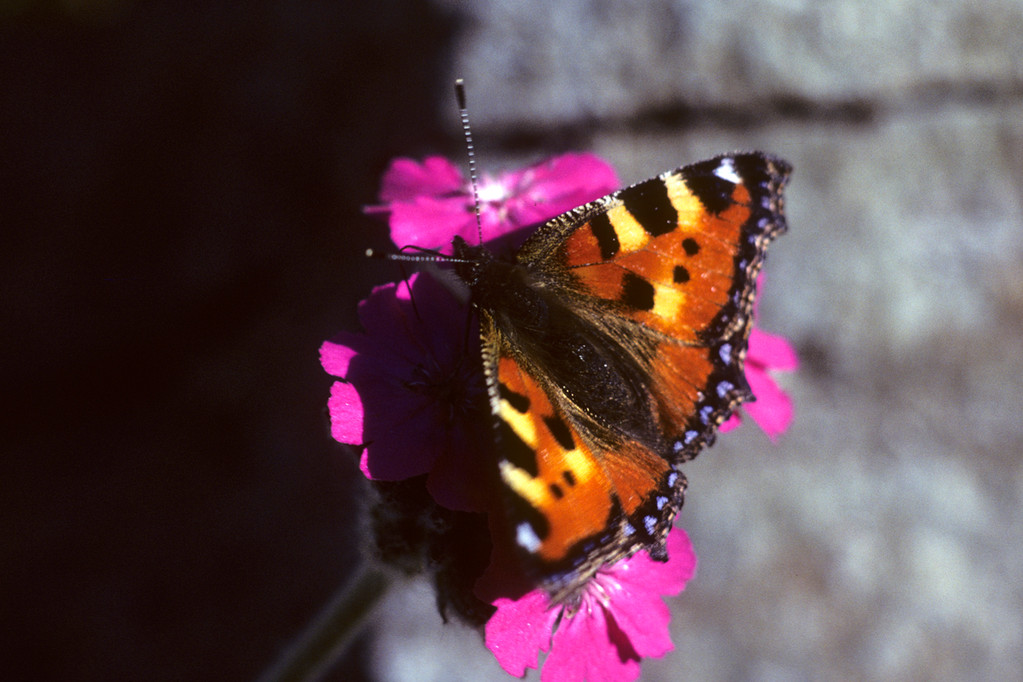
432,223
550,188
683,561
586,648
520,630
345,407
772,410
405,179
619,619
428,203
642,617
639,611
335,358
428,211
770,350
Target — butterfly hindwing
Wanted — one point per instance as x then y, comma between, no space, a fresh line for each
613,347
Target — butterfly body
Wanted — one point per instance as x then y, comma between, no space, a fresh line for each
613,346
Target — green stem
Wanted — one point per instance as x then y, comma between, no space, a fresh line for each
328,636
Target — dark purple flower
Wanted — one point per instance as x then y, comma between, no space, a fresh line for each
412,393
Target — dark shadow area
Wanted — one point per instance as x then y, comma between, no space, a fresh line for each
181,198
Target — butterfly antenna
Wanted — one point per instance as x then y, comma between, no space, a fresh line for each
421,255
463,113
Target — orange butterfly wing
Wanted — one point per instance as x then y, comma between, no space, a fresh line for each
613,348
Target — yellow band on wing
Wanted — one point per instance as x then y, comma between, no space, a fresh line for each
522,424
668,302
581,465
631,234
532,490
685,202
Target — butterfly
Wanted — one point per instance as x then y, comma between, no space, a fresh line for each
613,346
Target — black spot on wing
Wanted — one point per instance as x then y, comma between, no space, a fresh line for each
649,204
559,429
519,402
637,293
515,451
607,238
681,274
690,246
715,193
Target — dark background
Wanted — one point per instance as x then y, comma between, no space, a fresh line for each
182,185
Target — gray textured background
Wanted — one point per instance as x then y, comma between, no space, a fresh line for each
184,185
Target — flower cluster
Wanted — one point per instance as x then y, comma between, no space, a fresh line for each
411,396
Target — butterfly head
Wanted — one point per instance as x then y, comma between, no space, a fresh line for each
470,261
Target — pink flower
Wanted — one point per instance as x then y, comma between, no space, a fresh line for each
430,203
618,619
772,410
412,392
